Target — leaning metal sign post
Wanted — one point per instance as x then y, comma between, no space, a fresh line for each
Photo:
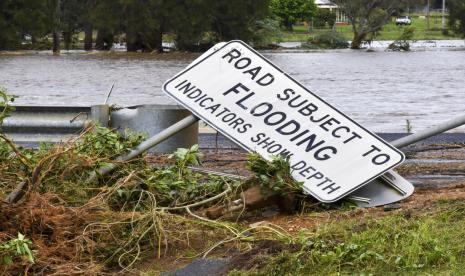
257,105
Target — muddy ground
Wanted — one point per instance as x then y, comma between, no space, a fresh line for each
436,170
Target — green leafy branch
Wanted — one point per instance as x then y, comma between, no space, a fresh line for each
275,175
16,247
5,105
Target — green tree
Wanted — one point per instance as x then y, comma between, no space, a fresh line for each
195,24
238,19
87,26
457,16
9,32
19,18
142,24
293,11
30,18
107,17
367,17
210,21
71,21
53,14
323,17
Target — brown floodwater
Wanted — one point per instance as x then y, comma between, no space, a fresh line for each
380,90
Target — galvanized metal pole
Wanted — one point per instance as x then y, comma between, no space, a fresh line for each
376,193
427,16
100,114
422,135
147,144
443,15
186,122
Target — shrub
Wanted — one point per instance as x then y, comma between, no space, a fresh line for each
328,40
323,17
403,42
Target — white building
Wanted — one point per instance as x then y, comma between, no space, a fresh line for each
327,4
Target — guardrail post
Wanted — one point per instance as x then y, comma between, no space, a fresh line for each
100,114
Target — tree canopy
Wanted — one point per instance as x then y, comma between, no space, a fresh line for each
457,16
292,11
368,16
193,24
20,17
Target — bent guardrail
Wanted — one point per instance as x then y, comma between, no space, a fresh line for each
30,125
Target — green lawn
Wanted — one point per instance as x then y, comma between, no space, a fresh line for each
399,243
389,32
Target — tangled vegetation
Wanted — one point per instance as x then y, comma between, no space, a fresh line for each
71,223
274,176
63,222
109,223
403,42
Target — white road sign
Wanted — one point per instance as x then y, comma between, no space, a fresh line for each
250,100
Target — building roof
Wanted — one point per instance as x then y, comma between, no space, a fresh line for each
325,4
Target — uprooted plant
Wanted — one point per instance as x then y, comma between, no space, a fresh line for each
138,211
272,184
16,248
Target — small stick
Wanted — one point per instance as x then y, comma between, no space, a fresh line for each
109,93
75,117
224,193
21,156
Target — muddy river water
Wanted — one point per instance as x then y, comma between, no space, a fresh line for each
380,90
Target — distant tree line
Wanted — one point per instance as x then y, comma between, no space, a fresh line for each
367,17
193,25
457,16
140,23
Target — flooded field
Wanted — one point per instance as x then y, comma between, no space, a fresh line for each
381,90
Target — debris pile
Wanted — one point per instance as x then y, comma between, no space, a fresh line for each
113,222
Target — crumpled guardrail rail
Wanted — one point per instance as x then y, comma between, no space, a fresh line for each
30,125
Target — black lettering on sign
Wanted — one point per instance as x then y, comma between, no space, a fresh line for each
331,188
289,128
285,96
244,128
266,80
232,55
263,109
379,158
258,137
213,108
202,103
186,88
253,72
275,118
237,89
241,63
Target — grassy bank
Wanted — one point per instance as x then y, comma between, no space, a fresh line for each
389,32
404,242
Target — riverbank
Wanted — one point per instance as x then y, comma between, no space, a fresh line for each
415,45
135,219
422,234
281,46
388,32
